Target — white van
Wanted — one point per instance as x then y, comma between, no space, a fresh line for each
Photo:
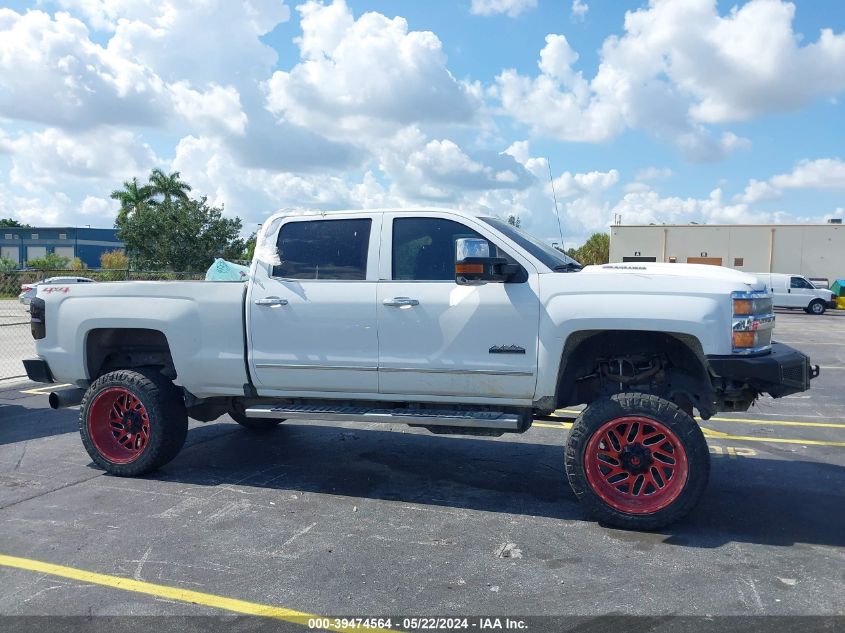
796,291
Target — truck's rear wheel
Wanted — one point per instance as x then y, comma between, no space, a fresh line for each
637,461
132,421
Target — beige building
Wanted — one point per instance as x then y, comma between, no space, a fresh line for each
812,250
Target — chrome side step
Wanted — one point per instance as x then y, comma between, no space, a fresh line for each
423,417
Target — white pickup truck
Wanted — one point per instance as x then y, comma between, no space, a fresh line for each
438,319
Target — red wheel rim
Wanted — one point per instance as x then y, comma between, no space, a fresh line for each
118,425
636,465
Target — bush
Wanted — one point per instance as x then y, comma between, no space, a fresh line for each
77,264
114,260
50,262
7,265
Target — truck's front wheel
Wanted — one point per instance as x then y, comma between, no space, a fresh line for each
132,421
637,461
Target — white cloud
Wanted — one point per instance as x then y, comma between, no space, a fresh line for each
823,173
510,7
559,102
371,74
101,209
50,156
46,210
569,185
818,174
679,66
206,41
218,108
51,72
757,191
645,207
579,10
439,169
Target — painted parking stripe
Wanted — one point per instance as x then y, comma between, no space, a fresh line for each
43,391
714,434
232,605
828,425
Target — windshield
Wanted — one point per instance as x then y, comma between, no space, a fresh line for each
546,253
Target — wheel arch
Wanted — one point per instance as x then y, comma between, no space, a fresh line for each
684,352
107,349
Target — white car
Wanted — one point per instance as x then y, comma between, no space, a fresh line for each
28,291
796,291
439,319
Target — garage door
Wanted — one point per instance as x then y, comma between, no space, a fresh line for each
65,251
10,252
35,252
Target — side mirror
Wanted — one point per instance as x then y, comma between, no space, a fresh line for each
474,266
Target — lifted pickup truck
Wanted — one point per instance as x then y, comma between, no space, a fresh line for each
437,319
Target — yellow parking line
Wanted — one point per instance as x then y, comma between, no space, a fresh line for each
562,425
43,391
713,434
232,605
828,425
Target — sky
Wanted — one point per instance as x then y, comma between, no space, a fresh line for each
660,111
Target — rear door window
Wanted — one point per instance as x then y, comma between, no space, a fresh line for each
324,249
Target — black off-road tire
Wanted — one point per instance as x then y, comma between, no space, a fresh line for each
157,401
686,434
253,424
816,307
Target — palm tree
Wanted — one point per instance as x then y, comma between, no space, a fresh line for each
133,198
168,185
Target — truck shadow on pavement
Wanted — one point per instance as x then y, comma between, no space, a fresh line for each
19,424
753,500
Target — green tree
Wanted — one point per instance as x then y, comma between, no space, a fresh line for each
8,223
179,235
596,250
134,198
249,247
169,186
50,261
7,265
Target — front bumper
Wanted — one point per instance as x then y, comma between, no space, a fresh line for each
38,370
781,372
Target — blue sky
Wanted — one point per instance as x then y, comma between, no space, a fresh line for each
661,111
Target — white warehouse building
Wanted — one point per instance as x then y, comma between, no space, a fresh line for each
812,250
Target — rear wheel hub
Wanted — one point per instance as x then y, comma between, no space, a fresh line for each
119,425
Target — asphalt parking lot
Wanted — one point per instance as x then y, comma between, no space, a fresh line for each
368,520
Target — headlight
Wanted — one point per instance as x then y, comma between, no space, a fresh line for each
753,322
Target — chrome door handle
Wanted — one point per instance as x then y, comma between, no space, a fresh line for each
398,302
271,301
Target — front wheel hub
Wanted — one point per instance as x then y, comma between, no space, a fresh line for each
636,464
635,458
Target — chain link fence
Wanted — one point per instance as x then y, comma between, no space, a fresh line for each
16,341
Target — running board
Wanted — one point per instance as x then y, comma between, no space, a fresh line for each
421,417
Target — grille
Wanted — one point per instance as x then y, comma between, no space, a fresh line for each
794,374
